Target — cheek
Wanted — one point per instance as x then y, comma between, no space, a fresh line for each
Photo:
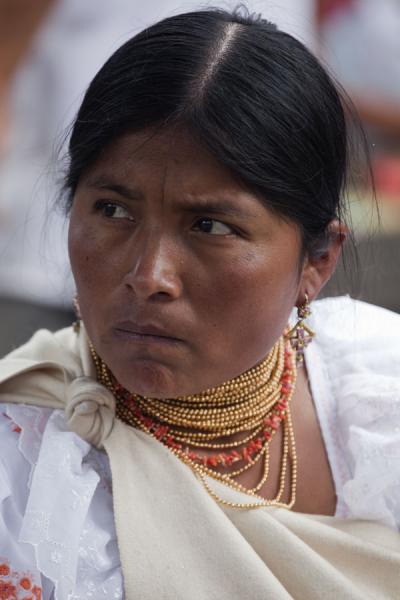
258,281
88,256
251,298
82,249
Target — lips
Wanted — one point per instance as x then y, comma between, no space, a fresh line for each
145,330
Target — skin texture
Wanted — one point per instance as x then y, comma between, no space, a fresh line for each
161,235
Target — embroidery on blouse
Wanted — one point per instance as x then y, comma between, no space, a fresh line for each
85,564
16,428
16,585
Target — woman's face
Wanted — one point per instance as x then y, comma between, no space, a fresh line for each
184,278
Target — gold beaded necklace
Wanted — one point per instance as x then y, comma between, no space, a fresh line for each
252,406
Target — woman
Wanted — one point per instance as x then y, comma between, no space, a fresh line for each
207,165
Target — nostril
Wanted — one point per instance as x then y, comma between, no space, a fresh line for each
154,277
160,289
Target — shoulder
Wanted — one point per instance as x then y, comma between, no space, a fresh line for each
36,372
346,323
354,369
339,307
46,345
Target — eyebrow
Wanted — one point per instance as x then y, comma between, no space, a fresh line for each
212,206
111,186
217,207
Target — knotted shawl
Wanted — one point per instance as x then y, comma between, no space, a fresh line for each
175,542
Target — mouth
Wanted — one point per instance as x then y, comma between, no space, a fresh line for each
145,333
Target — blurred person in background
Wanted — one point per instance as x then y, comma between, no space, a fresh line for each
360,40
50,51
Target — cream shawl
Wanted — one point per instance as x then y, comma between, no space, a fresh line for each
175,542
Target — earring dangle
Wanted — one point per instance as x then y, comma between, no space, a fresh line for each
76,324
301,335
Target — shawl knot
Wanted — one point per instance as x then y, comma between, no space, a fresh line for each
90,410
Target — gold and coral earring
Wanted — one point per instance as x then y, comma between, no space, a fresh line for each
301,335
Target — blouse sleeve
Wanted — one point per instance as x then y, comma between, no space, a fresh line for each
19,576
57,530
356,388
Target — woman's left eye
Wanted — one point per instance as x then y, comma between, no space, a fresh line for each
212,227
111,210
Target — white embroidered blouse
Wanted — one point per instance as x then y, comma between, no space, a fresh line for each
57,532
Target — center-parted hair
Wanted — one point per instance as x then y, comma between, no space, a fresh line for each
253,95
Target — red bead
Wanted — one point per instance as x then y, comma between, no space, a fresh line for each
161,431
147,422
251,447
235,456
222,459
246,455
275,422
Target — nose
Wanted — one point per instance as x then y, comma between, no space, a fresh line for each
154,268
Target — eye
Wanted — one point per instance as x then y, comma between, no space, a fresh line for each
212,227
110,210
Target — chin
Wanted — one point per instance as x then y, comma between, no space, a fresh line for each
149,379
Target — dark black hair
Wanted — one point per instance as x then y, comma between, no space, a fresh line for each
253,95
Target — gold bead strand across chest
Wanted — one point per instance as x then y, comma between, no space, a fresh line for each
224,431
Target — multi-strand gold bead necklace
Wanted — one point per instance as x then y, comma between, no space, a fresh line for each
250,408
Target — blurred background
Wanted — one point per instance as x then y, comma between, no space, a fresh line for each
50,50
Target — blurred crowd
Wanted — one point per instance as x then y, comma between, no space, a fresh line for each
360,42
50,51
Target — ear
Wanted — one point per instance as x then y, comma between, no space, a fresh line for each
319,267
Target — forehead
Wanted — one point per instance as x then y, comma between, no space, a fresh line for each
171,156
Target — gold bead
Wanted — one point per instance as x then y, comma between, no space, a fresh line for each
204,420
